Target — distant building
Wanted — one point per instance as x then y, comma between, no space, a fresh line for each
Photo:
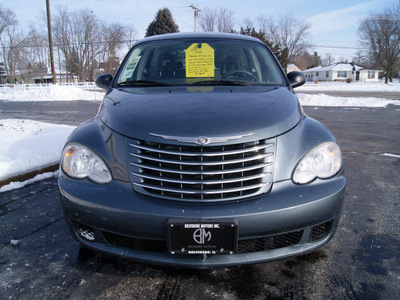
292,67
61,77
110,66
342,72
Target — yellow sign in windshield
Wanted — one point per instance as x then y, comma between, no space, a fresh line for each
199,60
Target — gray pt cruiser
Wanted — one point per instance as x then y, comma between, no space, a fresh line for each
201,156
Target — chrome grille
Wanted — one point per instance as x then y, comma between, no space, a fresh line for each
202,173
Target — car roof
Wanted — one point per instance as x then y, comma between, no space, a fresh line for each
189,35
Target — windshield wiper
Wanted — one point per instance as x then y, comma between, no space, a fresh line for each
219,82
140,82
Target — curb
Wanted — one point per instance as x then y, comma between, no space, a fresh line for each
29,175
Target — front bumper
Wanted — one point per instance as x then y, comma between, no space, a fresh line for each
294,219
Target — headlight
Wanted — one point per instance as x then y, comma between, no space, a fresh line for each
80,162
323,161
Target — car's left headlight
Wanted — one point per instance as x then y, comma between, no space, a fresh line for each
80,162
323,161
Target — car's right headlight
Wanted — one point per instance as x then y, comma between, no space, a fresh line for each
80,162
323,161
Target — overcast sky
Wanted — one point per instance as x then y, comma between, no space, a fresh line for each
334,24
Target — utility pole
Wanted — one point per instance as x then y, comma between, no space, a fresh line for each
196,14
50,42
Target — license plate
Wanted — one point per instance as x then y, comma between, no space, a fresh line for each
204,237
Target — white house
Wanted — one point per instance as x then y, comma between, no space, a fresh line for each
342,72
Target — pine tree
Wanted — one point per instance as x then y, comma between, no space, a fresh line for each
163,23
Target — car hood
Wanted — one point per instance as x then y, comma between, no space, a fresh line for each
263,112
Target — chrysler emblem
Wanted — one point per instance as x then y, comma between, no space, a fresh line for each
201,140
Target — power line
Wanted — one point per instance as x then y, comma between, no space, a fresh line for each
337,47
135,40
70,44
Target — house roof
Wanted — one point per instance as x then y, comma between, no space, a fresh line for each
292,67
337,67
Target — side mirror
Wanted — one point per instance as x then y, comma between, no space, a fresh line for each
104,81
296,79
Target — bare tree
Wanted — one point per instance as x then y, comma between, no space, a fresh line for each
23,56
307,61
86,29
130,33
221,20
62,37
78,34
36,55
81,41
207,20
263,22
7,19
281,54
362,58
13,45
289,33
115,37
38,46
328,60
300,62
248,23
225,20
380,34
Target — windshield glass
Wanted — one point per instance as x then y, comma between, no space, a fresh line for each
199,62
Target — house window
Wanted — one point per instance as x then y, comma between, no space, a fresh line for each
342,74
371,74
317,74
327,74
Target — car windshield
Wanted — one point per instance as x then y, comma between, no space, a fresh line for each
199,62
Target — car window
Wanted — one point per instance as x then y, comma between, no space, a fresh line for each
197,62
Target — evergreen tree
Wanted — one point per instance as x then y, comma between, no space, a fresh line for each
163,23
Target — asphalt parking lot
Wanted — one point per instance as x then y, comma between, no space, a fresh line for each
40,260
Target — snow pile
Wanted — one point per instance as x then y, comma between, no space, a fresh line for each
27,146
18,185
350,87
48,93
325,100
74,93
390,155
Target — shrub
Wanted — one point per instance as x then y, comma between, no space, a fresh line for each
348,80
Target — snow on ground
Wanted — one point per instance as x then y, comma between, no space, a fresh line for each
325,100
391,155
48,93
349,87
29,145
